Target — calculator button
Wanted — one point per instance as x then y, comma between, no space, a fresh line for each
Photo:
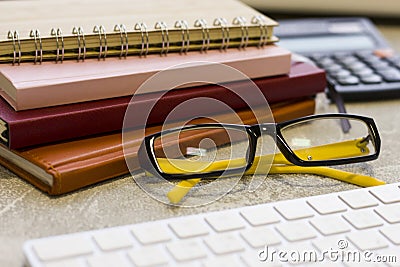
370,79
317,57
341,55
390,75
364,54
371,59
333,68
348,60
341,74
350,80
356,66
326,61
364,72
381,65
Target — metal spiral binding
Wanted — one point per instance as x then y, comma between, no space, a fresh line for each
142,27
124,39
182,24
58,35
205,33
14,36
160,25
241,21
81,40
224,32
35,34
102,40
259,20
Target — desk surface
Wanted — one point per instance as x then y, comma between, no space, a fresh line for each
27,213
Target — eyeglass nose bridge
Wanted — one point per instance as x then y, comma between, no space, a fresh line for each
264,129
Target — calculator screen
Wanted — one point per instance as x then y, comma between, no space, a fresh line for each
327,43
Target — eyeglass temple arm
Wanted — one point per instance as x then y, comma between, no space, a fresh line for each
180,190
337,98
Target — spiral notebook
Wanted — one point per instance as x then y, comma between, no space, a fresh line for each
57,30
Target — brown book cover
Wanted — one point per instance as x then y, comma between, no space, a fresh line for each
68,166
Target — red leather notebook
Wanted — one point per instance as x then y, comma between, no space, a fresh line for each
39,126
67,166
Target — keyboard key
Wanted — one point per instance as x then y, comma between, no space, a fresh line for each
387,194
186,250
63,247
332,243
392,233
301,248
330,225
260,215
391,213
151,233
112,239
294,209
224,243
223,261
362,219
392,256
189,227
327,204
260,237
359,199
65,263
296,231
253,259
110,259
367,240
148,256
225,221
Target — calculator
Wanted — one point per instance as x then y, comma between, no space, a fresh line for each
358,61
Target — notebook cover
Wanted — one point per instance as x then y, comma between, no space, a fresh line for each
76,164
82,119
29,86
24,16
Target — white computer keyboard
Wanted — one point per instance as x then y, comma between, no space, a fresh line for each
350,228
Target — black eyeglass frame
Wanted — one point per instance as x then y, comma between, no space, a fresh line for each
147,157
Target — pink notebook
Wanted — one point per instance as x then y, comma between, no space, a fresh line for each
29,86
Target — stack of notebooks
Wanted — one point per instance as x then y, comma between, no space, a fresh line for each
68,73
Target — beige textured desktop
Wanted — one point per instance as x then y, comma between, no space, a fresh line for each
27,213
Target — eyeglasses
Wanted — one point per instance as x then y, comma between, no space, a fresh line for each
216,150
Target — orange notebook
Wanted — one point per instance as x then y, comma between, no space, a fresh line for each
65,167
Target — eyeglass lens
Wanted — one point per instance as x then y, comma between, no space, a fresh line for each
324,139
201,150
